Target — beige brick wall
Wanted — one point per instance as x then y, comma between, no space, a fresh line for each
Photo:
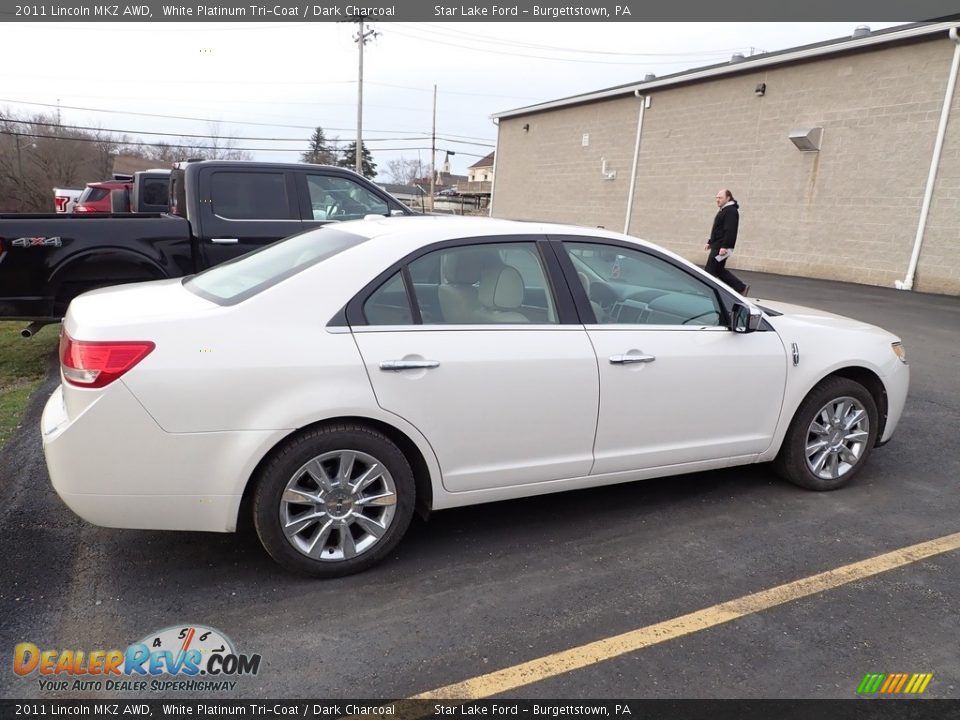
849,212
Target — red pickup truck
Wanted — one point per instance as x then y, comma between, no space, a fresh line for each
145,191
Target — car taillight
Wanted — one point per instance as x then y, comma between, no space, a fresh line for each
96,364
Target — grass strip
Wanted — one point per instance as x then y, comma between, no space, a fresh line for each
23,366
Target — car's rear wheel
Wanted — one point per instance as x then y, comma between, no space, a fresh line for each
334,500
830,437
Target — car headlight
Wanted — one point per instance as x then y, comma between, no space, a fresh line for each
900,351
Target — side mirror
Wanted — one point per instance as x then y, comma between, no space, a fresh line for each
746,319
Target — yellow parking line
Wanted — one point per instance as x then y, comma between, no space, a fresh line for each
507,679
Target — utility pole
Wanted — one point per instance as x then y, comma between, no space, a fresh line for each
433,148
361,38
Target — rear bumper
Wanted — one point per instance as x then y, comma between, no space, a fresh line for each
114,466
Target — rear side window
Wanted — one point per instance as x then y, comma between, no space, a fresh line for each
235,281
92,194
250,196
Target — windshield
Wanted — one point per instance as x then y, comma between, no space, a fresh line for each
244,277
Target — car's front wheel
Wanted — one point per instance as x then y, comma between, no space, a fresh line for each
334,500
830,437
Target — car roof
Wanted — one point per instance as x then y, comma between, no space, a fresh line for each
420,230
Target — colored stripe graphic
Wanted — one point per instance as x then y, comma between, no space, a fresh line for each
894,683
870,683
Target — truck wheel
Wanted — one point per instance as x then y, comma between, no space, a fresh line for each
334,501
830,437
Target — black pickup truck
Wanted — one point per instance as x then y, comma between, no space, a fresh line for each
218,210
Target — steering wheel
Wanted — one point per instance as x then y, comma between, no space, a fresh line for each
603,295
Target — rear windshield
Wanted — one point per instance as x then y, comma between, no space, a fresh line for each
244,277
92,194
155,191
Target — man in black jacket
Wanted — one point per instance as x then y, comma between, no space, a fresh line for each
723,238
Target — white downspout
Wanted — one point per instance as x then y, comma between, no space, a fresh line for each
636,158
496,146
907,282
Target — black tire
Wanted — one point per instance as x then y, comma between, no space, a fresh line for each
332,522
792,462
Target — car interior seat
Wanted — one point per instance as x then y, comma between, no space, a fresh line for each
501,295
457,292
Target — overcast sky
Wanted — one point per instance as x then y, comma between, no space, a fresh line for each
280,80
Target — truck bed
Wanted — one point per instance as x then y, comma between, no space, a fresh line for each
59,254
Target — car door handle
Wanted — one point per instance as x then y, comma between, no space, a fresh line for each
224,241
627,359
394,365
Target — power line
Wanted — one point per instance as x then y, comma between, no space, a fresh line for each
446,31
454,92
461,46
210,147
231,137
206,120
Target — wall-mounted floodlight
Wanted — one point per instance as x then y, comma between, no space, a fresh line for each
760,90
807,139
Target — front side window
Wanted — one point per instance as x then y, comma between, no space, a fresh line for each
627,286
250,196
339,198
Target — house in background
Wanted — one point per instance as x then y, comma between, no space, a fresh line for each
833,151
479,182
410,195
444,180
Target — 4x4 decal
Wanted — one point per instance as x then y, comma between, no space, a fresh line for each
26,242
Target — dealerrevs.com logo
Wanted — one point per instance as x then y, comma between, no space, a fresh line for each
182,657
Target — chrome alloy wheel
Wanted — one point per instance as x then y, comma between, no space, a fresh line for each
837,437
338,505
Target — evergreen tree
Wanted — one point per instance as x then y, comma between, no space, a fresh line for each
349,159
319,152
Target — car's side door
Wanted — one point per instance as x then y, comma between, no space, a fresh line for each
242,209
500,378
677,385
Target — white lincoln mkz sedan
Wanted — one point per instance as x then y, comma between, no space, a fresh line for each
336,382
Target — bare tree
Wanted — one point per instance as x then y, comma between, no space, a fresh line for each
222,147
404,170
38,153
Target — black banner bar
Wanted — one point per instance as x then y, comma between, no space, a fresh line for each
477,10
854,709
